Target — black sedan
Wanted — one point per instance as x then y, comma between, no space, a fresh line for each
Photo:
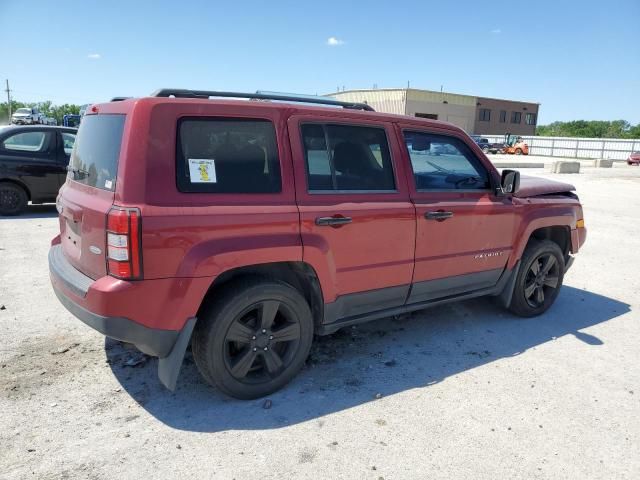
33,164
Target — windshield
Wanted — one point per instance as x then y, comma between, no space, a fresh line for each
24,110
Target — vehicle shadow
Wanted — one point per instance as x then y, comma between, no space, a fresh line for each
47,210
352,366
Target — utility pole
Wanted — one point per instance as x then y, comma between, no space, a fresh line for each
8,98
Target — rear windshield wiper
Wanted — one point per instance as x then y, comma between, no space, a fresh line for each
77,172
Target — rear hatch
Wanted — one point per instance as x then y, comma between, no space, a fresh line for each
88,194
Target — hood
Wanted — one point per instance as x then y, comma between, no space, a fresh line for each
21,115
532,186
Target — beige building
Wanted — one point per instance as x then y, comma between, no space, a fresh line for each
475,115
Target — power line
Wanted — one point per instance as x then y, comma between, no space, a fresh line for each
8,90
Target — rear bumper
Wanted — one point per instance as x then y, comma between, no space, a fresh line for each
81,294
151,341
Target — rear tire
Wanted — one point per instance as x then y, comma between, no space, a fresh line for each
13,199
539,278
253,337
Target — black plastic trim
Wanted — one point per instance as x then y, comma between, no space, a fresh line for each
506,279
360,303
445,287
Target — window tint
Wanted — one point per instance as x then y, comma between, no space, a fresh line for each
485,115
516,117
227,156
94,159
345,157
444,163
27,142
68,139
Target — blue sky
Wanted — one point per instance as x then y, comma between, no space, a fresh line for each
580,59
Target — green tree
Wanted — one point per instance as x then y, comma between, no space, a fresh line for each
590,129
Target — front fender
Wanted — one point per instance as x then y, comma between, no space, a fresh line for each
540,215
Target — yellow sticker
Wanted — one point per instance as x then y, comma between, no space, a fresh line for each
202,170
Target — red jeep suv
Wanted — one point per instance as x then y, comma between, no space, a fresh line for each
243,227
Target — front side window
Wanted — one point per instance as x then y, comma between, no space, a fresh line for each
485,115
225,155
516,117
346,157
27,142
441,162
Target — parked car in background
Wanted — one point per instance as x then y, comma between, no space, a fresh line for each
26,116
486,146
634,158
50,121
246,227
33,165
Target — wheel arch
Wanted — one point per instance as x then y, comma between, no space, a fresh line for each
559,234
299,275
18,183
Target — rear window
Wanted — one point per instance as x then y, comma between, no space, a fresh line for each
224,155
94,159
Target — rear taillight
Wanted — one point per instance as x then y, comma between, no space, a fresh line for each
124,243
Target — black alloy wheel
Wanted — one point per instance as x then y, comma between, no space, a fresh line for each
539,278
542,278
253,336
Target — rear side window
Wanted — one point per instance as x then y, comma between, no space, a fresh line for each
225,155
346,157
94,158
27,142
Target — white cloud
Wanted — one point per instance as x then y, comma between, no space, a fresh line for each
94,56
334,42
496,31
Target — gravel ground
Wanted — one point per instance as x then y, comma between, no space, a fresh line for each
460,391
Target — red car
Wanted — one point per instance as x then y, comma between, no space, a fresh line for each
244,227
634,158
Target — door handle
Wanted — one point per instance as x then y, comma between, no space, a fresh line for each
439,216
335,221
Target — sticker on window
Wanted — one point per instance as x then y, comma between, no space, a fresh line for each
108,184
202,170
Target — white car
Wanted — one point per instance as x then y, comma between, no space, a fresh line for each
26,116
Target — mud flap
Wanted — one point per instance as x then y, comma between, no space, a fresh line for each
507,292
169,366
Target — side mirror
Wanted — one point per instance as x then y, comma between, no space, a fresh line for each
510,181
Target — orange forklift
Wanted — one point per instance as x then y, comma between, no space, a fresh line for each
515,145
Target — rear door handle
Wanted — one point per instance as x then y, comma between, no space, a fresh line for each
440,215
332,221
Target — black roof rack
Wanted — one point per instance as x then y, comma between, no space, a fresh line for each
183,93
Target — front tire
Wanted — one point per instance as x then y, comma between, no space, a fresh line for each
253,337
518,151
539,278
13,199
